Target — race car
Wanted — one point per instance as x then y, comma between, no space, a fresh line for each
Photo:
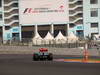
42,55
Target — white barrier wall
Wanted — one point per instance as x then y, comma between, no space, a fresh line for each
43,11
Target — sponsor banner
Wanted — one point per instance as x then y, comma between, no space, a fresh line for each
43,11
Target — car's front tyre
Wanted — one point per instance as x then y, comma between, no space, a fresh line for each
35,57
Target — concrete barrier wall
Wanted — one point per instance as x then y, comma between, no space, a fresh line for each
56,51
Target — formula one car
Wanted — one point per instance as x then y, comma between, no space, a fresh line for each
42,55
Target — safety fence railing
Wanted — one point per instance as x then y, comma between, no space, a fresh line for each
50,43
29,42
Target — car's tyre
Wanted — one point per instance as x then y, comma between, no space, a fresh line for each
41,58
35,57
50,57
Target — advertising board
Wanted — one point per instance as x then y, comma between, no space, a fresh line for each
43,11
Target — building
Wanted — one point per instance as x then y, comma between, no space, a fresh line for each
9,21
91,17
76,17
82,18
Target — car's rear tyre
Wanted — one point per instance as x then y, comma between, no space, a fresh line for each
41,58
50,57
35,57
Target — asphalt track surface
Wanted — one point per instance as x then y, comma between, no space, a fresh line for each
23,65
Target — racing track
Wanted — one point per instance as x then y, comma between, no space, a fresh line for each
23,65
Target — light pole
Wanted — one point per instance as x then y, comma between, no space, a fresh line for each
99,20
20,32
67,33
